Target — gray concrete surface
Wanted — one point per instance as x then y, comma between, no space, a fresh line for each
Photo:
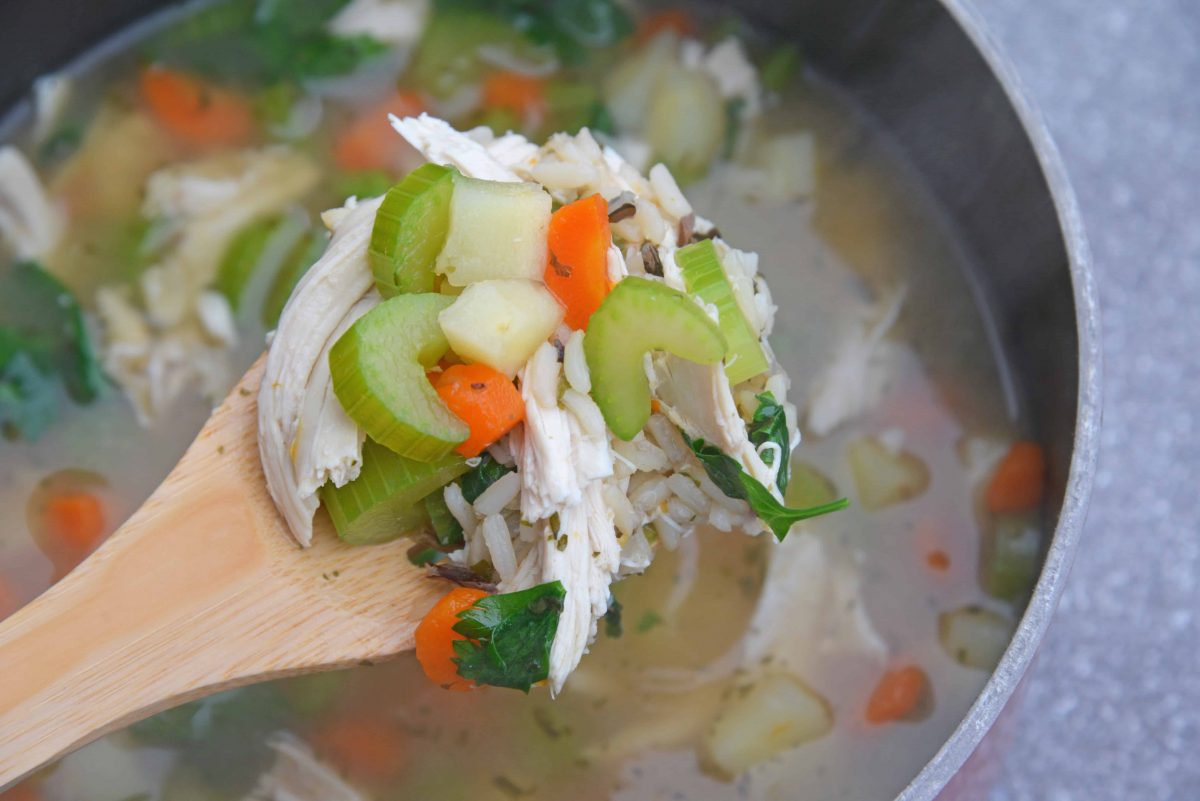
1112,710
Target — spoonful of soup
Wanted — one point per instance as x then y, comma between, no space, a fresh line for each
470,384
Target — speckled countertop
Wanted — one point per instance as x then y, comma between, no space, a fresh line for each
1112,708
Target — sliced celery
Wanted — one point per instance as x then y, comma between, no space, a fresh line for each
705,278
378,369
278,247
241,258
410,230
386,500
1008,556
639,316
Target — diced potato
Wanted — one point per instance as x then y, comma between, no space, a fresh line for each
685,123
885,477
974,637
497,230
776,714
789,163
501,323
630,86
808,486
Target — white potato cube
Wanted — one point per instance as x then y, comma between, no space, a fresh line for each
497,230
777,714
501,323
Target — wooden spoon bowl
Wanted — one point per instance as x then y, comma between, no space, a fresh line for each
201,590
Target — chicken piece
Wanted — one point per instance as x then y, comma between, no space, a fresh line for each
396,22
442,144
854,381
321,302
29,221
698,399
548,479
297,775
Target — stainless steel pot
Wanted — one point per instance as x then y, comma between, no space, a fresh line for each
927,72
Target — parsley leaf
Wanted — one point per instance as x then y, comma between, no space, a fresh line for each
482,476
509,637
770,425
735,482
612,619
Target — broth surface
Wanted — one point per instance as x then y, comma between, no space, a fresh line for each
627,725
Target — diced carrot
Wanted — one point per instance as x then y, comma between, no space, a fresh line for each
366,748
897,695
22,792
72,526
938,560
1019,481
671,19
578,271
483,398
436,636
194,110
523,95
368,142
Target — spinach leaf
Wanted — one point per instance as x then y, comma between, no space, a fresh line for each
28,402
735,482
482,476
572,27
769,424
509,637
263,43
446,529
39,311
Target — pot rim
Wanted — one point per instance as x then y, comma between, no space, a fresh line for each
1031,629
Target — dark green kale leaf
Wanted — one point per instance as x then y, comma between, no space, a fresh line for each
770,425
735,482
482,476
612,619
509,637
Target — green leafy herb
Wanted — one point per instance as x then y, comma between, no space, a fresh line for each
648,621
769,424
509,637
780,68
425,552
733,126
28,402
735,482
482,476
571,27
446,529
264,43
612,619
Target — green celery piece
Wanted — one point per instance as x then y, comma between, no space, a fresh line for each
241,258
735,482
303,256
482,476
1008,556
509,637
385,502
446,59
410,230
446,529
706,279
378,369
639,316
769,424
39,309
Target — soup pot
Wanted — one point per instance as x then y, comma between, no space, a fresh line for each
930,78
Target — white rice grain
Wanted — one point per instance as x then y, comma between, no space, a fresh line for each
544,365
563,174
501,452
669,532
499,544
495,498
653,227
459,507
713,491
625,518
666,436
641,453
667,192
650,495
720,518
686,490
575,365
679,511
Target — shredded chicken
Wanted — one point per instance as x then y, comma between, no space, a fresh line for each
290,401
397,22
856,377
297,775
29,221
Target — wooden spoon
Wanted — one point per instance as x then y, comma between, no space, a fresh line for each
202,589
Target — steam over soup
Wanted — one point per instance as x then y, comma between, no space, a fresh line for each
650,343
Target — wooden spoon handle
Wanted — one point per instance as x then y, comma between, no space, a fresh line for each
155,616
201,590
